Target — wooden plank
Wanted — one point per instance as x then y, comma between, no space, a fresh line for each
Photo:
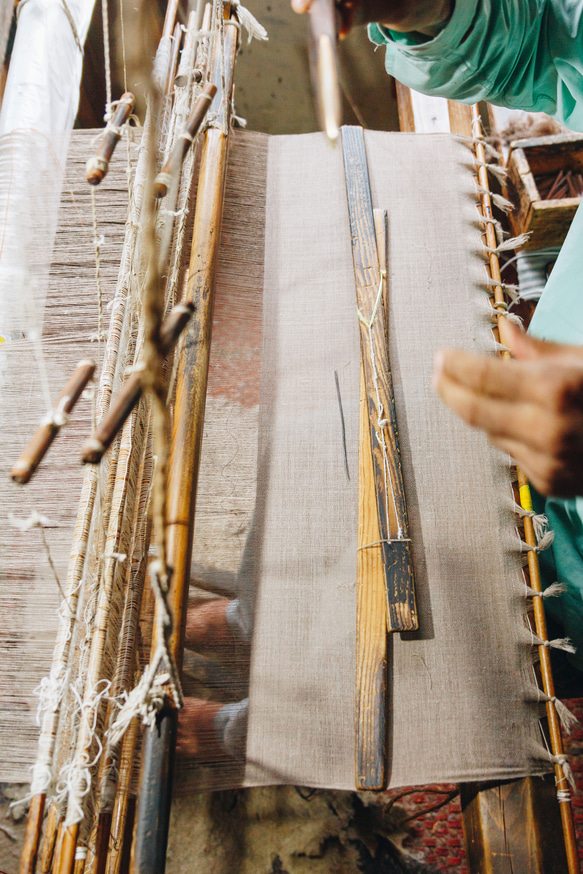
460,118
371,622
405,108
384,434
513,827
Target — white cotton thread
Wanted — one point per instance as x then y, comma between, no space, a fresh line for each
555,590
510,244
567,718
381,421
562,643
499,173
254,29
563,762
147,698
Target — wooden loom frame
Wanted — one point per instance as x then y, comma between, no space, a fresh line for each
154,806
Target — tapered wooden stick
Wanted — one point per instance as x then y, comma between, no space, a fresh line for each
40,444
151,832
192,125
50,837
98,165
105,433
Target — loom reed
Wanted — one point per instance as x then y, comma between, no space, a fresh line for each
500,306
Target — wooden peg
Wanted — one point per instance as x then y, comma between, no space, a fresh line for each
104,435
50,427
98,166
184,141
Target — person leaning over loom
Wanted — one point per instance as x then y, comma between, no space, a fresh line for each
523,54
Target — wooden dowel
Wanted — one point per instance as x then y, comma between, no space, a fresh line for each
184,72
170,18
172,166
50,837
32,836
120,808
151,833
548,682
185,140
38,447
98,166
176,40
120,408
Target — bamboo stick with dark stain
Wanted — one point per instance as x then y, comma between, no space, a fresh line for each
390,490
185,140
31,457
120,408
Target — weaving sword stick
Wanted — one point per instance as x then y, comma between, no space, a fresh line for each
149,849
384,436
371,623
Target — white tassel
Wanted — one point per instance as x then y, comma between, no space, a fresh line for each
563,763
249,22
540,523
567,719
510,244
497,199
552,591
500,173
511,290
562,643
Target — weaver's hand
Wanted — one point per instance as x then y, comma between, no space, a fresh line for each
401,15
531,407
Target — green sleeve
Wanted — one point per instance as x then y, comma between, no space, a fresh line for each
524,54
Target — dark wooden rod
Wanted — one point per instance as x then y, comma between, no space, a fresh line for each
103,436
48,430
172,166
98,165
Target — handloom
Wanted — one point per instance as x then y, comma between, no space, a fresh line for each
280,534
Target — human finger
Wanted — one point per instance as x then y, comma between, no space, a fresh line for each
524,347
541,469
489,376
301,6
497,417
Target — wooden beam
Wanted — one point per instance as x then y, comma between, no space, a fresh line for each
513,827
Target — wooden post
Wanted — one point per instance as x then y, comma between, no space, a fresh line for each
151,833
513,827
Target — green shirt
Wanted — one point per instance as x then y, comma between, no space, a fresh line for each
524,54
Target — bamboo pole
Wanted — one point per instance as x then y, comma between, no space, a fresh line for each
151,834
563,792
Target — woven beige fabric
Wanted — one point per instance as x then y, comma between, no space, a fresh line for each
458,687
